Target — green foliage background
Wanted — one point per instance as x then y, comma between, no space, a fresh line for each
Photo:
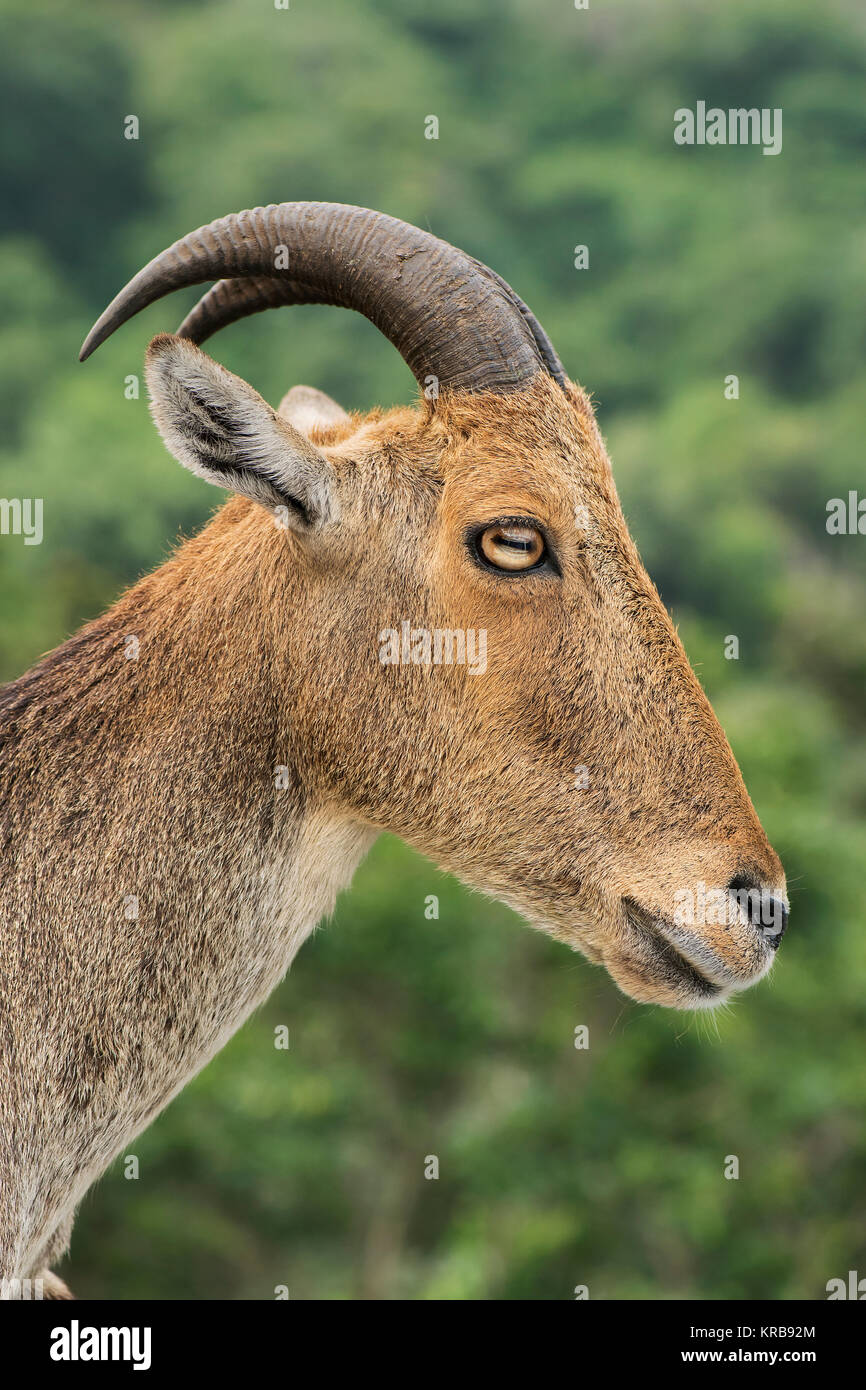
454,1037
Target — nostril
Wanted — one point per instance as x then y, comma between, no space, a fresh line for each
764,910
774,920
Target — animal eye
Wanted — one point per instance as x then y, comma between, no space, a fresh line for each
512,545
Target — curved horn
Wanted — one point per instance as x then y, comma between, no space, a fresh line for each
448,315
230,300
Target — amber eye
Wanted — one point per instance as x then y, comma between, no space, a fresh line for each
512,545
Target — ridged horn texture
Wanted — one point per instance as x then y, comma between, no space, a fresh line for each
448,315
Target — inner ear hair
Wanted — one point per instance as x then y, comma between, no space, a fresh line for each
221,429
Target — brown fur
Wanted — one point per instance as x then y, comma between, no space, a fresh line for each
258,648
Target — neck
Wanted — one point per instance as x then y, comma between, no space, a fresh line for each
160,845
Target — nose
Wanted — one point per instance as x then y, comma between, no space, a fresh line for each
764,909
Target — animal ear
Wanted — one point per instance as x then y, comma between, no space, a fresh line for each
308,409
220,428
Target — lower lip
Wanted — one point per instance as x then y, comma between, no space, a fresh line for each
677,969
682,972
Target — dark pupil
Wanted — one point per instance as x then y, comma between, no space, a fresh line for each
513,541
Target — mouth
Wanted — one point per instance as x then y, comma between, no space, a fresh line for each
656,961
665,965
